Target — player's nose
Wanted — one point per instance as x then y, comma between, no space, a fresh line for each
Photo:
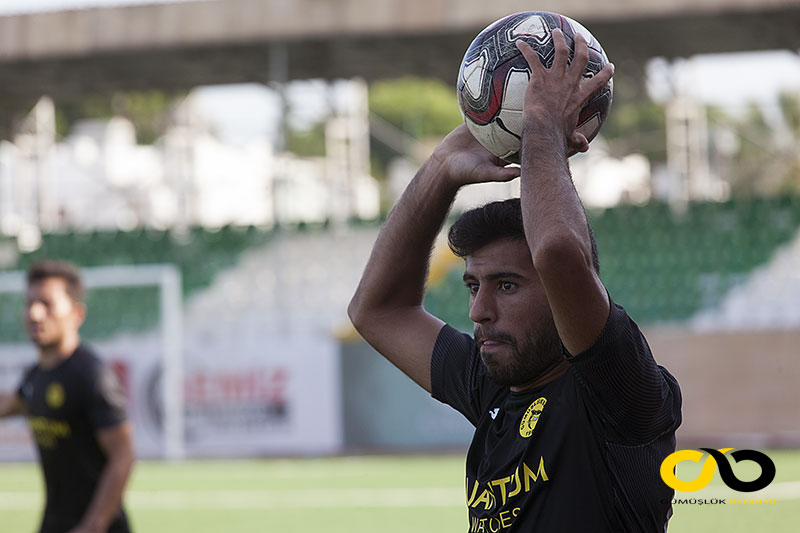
482,307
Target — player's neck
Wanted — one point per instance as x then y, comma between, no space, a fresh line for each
52,356
553,372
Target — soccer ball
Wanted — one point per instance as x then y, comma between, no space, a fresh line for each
494,75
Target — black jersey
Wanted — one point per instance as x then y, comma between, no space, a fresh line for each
579,454
66,405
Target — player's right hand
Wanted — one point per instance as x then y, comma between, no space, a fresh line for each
463,160
555,96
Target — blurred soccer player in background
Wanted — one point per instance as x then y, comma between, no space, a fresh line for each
573,416
75,408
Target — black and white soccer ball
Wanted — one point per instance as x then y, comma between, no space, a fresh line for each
494,75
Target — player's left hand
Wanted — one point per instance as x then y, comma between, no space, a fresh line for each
555,96
464,161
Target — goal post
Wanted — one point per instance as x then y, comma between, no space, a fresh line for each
167,278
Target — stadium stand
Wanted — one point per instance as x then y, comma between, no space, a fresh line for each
199,253
664,266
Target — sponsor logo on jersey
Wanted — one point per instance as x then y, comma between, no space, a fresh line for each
48,431
501,497
493,412
54,395
531,417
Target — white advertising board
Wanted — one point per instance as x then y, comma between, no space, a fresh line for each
242,397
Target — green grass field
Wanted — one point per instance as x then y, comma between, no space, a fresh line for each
383,494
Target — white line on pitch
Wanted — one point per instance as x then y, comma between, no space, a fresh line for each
267,499
330,497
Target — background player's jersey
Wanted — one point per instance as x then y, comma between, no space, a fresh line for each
66,406
581,453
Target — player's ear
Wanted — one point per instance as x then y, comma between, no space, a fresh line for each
79,311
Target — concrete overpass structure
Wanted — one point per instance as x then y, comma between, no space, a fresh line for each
178,46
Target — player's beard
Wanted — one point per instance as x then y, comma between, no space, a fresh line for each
531,355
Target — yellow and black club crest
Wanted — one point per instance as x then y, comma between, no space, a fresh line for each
54,395
531,417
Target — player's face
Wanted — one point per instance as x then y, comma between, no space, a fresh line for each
514,328
50,313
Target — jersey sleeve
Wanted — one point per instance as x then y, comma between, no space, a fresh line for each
637,400
455,373
25,388
106,400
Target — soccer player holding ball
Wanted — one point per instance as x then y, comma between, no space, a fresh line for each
572,414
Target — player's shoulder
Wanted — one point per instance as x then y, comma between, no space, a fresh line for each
618,313
619,324
86,362
86,355
30,370
452,341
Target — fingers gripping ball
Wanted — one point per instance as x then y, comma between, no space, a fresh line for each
494,75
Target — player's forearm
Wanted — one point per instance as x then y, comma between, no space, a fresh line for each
107,499
396,271
555,222
10,405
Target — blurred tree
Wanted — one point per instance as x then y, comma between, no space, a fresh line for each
789,104
306,142
755,152
409,111
635,123
419,107
765,160
425,108
790,107
147,110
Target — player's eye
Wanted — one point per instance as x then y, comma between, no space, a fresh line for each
472,288
507,286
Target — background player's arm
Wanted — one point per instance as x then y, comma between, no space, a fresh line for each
11,404
555,222
116,443
387,306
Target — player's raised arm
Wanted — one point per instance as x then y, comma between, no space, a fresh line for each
387,306
555,222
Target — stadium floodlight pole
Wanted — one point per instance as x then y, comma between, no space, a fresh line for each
168,278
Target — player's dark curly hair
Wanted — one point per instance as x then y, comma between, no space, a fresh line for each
49,268
502,219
